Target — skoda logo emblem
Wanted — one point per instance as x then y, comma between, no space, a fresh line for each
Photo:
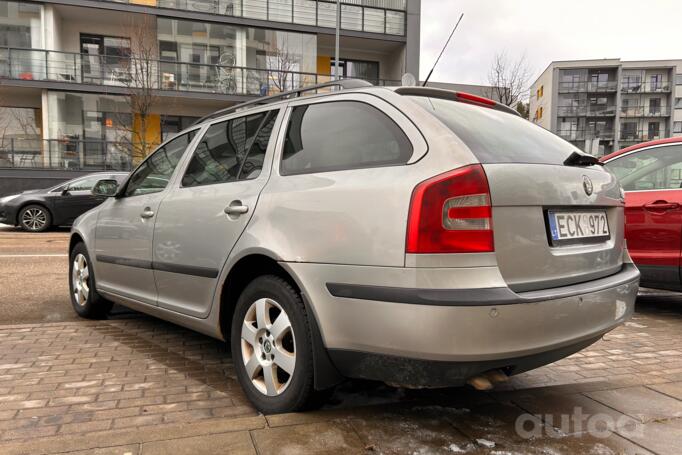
267,347
587,185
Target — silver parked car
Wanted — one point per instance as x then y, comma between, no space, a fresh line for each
417,236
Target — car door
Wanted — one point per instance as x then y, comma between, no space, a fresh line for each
76,199
651,179
125,226
202,217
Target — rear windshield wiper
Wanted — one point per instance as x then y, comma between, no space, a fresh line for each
582,159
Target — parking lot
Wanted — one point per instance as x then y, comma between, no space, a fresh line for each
132,384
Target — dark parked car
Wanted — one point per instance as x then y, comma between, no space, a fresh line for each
38,210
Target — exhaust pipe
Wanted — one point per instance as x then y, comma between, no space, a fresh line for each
486,380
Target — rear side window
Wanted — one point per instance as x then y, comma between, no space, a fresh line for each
231,150
342,135
498,137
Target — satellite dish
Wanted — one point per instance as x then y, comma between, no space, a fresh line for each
408,80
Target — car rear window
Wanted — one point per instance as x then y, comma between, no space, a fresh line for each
497,137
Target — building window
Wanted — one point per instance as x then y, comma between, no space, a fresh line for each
20,25
678,103
251,61
88,130
105,59
540,112
678,79
357,69
677,127
173,124
21,139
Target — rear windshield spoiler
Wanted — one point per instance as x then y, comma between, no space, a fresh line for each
452,95
582,159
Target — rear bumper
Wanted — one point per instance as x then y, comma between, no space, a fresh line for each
410,372
460,331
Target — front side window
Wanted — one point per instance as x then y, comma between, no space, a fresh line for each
154,173
658,168
231,150
85,184
342,135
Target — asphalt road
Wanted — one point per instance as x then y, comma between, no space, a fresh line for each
33,277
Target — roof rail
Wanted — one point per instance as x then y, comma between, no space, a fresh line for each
344,84
456,96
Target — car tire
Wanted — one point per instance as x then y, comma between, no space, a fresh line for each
35,218
84,297
260,340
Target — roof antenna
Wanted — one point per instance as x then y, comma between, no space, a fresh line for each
443,50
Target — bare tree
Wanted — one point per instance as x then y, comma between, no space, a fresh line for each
139,74
509,79
281,65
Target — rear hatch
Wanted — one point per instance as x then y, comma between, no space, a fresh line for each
554,224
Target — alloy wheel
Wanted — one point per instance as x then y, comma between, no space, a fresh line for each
268,347
79,279
34,219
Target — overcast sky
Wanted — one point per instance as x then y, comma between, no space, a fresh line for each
545,30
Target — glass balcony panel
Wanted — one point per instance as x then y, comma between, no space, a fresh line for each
351,17
395,23
4,63
304,12
63,67
374,20
326,14
28,65
255,9
280,10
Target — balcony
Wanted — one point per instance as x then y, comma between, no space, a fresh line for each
588,87
130,73
646,87
373,16
645,111
585,134
65,154
636,137
587,111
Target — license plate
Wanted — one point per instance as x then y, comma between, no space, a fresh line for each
578,227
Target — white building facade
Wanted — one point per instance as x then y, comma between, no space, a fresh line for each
604,105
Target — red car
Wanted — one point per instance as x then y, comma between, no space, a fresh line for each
651,175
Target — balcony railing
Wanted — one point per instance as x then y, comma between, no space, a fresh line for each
41,65
643,135
645,111
586,111
65,154
587,86
579,135
646,87
374,16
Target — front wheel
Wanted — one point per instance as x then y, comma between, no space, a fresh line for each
84,297
35,218
272,348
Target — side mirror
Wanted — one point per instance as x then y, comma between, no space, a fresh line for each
65,191
105,187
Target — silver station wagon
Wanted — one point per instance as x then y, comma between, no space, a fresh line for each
421,237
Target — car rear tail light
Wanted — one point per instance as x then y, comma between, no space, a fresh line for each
451,213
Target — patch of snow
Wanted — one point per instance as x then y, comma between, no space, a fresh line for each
455,448
485,443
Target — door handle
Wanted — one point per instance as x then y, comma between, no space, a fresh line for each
236,208
661,206
147,213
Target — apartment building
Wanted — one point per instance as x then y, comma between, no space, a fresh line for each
94,84
604,105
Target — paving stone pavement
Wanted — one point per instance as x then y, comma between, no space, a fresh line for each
143,386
